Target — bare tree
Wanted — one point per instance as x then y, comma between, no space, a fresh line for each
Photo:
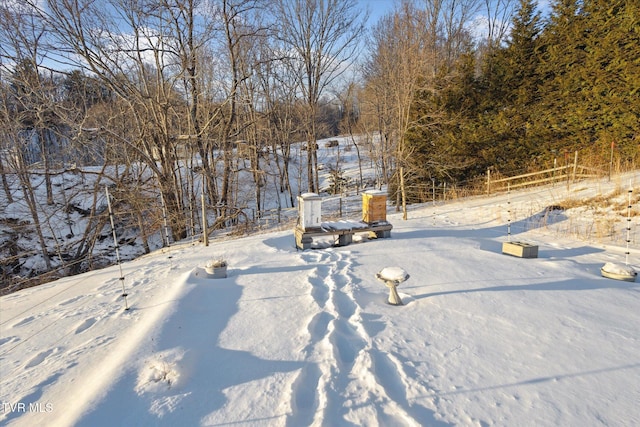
410,48
33,87
322,38
239,30
278,91
138,51
192,29
4,171
350,115
253,112
26,116
499,14
402,54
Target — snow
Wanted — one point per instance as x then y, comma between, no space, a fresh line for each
619,271
393,274
343,225
616,268
295,338
310,196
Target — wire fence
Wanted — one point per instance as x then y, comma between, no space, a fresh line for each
141,219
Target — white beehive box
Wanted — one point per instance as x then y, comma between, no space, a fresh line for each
310,211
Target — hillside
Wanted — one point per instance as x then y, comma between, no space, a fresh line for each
296,338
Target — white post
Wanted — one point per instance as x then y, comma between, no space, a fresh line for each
626,258
508,212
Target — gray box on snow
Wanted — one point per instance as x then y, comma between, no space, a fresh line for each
520,249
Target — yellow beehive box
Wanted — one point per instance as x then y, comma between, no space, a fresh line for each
374,206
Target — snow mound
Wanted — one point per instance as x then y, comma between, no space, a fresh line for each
619,271
161,371
393,274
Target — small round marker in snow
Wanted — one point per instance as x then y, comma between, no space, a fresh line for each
392,277
618,271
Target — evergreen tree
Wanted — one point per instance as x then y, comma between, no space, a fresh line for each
511,95
564,52
522,79
591,68
441,127
611,74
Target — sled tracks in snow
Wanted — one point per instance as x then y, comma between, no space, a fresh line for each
347,380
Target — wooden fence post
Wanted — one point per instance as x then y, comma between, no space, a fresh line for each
205,237
488,181
164,219
433,198
404,196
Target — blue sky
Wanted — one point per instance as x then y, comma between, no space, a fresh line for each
377,8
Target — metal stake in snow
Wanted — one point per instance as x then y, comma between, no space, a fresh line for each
392,277
626,254
509,212
115,242
619,271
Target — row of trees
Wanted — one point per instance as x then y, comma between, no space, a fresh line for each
569,81
145,81
174,92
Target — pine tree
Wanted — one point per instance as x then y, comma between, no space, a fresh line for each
511,95
611,74
563,50
592,75
440,136
522,78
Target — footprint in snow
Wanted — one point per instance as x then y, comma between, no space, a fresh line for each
86,324
24,321
6,340
39,358
71,300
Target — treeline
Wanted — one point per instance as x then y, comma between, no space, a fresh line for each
553,85
179,99
172,83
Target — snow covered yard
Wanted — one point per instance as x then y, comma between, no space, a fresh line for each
293,338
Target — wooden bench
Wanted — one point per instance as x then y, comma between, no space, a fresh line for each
343,229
